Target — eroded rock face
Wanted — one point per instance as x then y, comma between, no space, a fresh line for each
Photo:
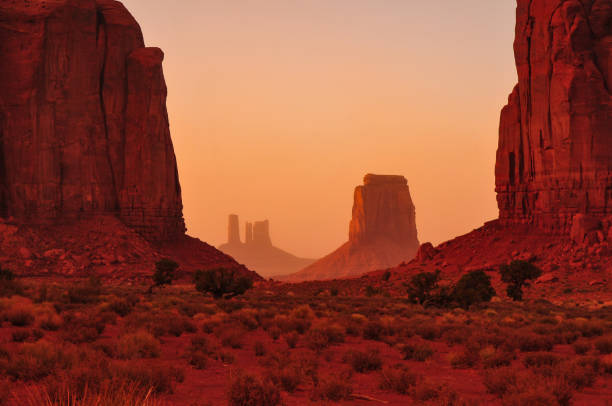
383,209
83,122
382,232
555,146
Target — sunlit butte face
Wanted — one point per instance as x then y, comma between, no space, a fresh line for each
278,108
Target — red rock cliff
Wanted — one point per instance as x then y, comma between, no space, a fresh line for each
83,121
555,146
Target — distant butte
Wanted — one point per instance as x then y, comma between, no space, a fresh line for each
257,252
382,232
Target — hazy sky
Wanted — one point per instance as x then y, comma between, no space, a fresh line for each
278,108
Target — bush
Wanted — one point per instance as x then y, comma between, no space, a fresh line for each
222,282
604,345
373,330
292,339
416,352
137,345
581,348
364,361
260,349
464,359
529,342
516,275
165,273
246,390
422,285
334,388
160,379
474,287
397,379
324,335
20,316
36,361
9,285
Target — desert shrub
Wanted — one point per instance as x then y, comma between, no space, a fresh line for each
541,359
429,330
288,377
222,282
517,274
9,285
416,352
292,339
494,358
20,316
162,323
226,357
231,336
474,287
373,330
335,387
398,379
260,349
323,335
606,363
422,285
500,381
140,344
159,378
581,348
86,292
164,274
529,342
247,318
121,306
110,393
604,345
364,361
50,321
275,333
84,328
247,390
464,359
20,335
35,361
198,359
426,391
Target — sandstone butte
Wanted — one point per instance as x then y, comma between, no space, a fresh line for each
382,232
554,160
257,251
85,137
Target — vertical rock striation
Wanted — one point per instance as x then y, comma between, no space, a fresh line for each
83,122
554,159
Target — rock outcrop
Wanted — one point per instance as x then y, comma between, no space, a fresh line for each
257,252
83,123
555,146
382,232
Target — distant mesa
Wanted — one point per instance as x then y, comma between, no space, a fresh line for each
257,252
382,232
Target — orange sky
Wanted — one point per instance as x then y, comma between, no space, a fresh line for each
279,107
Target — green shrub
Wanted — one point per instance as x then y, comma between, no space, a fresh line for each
474,287
422,285
222,282
397,379
137,345
247,390
333,387
164,274
364,361
516,275
416,352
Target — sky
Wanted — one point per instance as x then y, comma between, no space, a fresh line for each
278,108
